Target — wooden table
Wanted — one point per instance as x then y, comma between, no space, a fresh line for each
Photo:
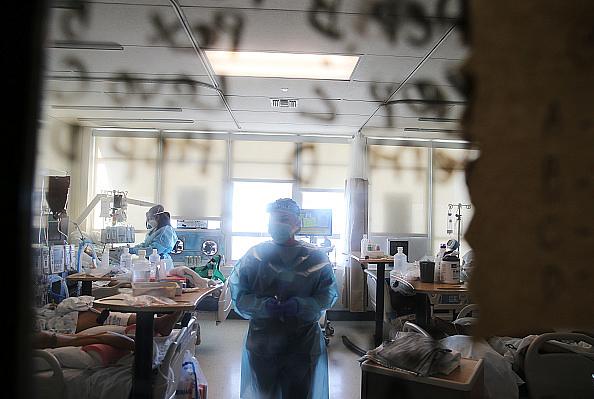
466,381
143,354
379,297
87,281
431,291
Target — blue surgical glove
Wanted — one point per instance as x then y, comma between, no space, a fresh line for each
290,307
273,307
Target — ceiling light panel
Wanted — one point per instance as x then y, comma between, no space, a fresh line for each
282,65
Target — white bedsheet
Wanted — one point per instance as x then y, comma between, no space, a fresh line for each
500,381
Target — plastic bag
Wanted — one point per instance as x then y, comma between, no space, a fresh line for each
409,271
415,353
192,383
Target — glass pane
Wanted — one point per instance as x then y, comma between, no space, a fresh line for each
449,187
193,176
263,160
324,165
249,204
138,148
136,175
240,245
398,189
327,200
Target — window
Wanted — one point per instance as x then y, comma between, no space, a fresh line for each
249,224
193,175
449,187
127,164
398,189
324,165
263,160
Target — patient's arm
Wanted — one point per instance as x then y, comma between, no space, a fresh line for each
45,339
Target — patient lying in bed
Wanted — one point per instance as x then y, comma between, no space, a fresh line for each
94,349
503,357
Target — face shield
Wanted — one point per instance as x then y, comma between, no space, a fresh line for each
152,216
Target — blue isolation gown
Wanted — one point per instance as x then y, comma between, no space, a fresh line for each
284,357
163,239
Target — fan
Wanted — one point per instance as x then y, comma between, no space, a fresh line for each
209,248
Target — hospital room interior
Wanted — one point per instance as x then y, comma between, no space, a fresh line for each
309,199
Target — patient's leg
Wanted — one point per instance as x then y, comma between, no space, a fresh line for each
162,324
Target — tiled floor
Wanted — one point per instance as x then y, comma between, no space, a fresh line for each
219,354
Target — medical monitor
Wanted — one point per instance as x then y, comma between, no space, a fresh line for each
413,247
316,222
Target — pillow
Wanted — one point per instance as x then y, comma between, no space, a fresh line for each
104,328
105,354
69,357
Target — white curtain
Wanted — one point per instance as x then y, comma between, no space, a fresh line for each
356,202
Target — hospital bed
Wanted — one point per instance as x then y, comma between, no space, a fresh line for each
555,365
115,382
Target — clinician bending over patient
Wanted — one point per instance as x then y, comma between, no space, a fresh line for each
160,234
283,286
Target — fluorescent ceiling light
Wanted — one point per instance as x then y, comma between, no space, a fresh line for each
282,65
397,138
135,120
115,108
121,129
264,134
194,131
421,129
425,119
451,141
79,45
335,136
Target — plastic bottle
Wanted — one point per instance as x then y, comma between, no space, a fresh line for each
154,260
438,277
159,273
166,265
105,260
126,259
364,244
141,267
399,260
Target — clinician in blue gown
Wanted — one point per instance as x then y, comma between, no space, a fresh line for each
160,236
283,286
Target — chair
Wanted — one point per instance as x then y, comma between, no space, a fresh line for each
326,327
223,306
404,311
412,327
558,370
464,317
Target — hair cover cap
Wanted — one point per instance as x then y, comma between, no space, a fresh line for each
284,205
155,210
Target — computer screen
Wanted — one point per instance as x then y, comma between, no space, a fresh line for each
413,247
316,222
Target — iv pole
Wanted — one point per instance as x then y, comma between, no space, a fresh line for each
459,207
